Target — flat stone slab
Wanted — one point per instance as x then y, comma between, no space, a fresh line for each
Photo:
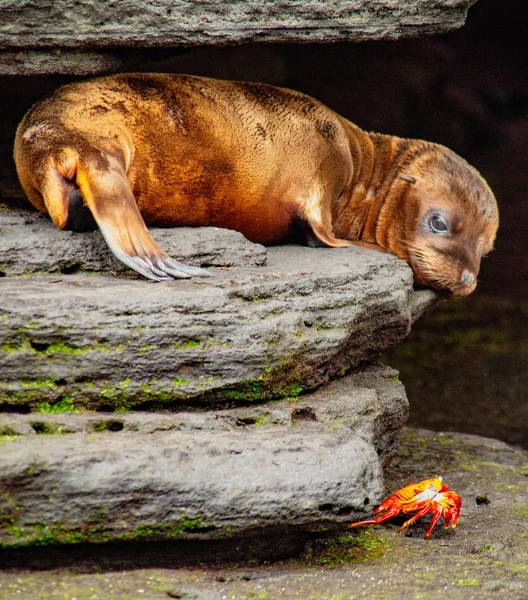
82,37
290,467
30,243
247,334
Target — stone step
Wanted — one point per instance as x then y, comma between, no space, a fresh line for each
291,467
247,334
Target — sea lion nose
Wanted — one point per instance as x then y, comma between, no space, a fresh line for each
467,277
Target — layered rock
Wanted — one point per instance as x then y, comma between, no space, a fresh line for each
80,336
291,466
83,37
107,342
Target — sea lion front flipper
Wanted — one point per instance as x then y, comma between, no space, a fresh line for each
109,197
321,238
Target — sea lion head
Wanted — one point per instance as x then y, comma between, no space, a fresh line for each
451,219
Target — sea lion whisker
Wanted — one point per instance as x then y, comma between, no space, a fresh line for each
411,245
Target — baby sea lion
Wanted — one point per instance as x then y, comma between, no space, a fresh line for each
168,150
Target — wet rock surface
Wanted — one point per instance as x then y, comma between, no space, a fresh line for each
465,368
485,557
78,36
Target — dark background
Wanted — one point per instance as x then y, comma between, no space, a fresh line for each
466,365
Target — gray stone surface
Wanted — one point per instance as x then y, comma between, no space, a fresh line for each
80,36
245,334
296,466
30,243
484,557
71,343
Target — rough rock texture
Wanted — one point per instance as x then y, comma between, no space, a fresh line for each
485,557
296,466
245,334
80,36
30,243
71,342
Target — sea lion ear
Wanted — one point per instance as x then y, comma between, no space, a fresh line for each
408,178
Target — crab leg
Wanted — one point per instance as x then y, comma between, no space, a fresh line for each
392,512
429,507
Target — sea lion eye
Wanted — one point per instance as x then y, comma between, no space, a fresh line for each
437,225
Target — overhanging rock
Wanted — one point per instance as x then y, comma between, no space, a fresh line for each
30,243
83,37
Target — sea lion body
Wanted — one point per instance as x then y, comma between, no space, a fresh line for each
169,150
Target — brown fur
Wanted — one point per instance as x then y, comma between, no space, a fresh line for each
169,150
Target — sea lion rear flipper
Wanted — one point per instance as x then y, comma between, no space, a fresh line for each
109,197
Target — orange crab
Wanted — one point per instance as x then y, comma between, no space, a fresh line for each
428,496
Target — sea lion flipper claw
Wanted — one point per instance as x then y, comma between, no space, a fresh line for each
178,269
157,266
140,266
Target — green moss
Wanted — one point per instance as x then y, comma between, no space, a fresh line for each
343,370
59,347
248,391
165,530
45,395
26,328
292,390
144,349
64,405
7,430
22,346
108,425
128,394
27,345
39,383
118,395
40,534
517,489
445,440
36,347
5,439
125,384
192,343
465,582
334,552
43,427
